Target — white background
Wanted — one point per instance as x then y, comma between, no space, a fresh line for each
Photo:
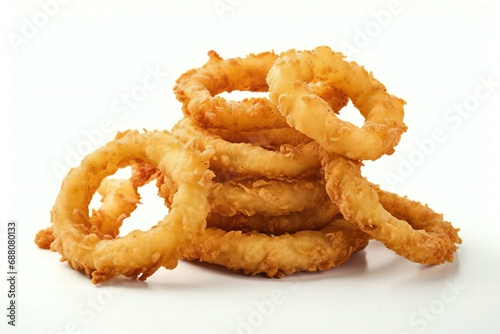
67,75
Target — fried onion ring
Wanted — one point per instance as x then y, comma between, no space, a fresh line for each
273,197
310,219
251,196
258,253
270,139
409,228
140,252
197,89
305,111
243,158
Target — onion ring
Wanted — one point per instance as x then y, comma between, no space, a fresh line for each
242,158
407,227
101,256
257,196
288,86
310,219
257,253
273,197
270,139
197,90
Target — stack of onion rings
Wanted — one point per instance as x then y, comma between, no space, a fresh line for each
262,186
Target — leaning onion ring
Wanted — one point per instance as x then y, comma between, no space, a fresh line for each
407,227
305,111
99,255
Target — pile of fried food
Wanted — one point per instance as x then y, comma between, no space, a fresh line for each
267,185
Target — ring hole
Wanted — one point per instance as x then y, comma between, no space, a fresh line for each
352,115
149,211
122,173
